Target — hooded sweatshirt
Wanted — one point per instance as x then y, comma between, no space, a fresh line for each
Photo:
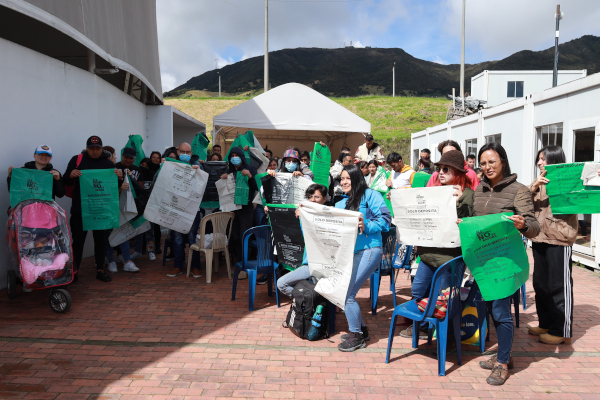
87,162
403,178
251,182
58,188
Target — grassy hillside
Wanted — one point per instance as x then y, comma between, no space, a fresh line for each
392,119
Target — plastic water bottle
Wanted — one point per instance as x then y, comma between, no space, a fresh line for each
313,333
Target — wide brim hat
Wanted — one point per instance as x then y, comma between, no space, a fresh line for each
454,159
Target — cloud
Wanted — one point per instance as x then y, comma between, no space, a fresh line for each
438,60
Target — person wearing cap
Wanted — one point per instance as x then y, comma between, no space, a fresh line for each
369,151
451,172
41,161
93,157
291,164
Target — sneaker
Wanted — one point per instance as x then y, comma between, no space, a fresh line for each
365,333
112,267
536,330
243,275
175,272
120,259
498,376
354,342
27,290
135,255
408,333
151,256
262,279
130,267
196,273
101,275
490,362
170,257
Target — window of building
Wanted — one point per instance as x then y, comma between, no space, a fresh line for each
514,89
471,147
494,138
549,135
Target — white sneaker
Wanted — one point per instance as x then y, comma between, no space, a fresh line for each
112,267
135,255
151,256
120,259
27,290
130,267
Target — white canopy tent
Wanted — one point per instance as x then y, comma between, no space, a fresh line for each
292,115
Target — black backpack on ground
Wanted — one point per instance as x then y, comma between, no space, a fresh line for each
304,304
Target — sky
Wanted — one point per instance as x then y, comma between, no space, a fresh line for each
195,36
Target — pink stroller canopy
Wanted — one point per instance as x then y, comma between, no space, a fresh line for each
38,215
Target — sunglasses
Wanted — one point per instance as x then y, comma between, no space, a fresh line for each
444,169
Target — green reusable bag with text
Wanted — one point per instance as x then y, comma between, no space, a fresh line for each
567,193
493,250
135,142
99,199
320,161
242,190
27,184
199,146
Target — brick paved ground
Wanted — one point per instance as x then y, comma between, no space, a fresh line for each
146,336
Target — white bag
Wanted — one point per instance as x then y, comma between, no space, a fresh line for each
128,231
127,208
176,197
208,240
330,237
226,190
260,155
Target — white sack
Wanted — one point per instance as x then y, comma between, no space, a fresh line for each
589,175
330,237
226,190
260,155
127,208
127,232
297,189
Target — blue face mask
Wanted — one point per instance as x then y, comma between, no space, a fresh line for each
291,166
236,160
185,157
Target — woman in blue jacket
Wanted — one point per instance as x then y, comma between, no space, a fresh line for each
375,219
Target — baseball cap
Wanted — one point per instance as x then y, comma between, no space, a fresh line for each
94,141
128,152
43,149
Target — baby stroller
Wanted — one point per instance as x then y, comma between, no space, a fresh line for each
39,241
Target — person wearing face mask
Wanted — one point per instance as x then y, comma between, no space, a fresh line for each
245,216
290,164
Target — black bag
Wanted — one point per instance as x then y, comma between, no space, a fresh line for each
304,304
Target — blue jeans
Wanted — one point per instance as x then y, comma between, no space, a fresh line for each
286,283
421,285
364,264
110,251
503,322
178,243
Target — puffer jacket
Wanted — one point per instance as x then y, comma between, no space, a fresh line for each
554,229
437,256
507,196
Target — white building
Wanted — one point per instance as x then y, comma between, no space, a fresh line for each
498,87
567,115
72,69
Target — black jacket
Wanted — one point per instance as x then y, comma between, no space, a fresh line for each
251,182
87,162
58,188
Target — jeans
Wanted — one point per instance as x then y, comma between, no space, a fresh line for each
178,243
503,322
286,283
364,264
421,285
110,252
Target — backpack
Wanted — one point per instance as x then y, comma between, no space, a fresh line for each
69,188
304,304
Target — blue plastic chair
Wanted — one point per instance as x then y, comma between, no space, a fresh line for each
386,266
264,263
456,268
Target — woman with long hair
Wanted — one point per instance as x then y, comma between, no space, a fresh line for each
552,264
372,167
375,219
500,192
451,172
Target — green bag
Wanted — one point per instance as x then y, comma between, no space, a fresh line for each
135,142
241,141
420,179
493,250
199,146
567,193
242,190
320,161
27,184
378,184
99,199
249,136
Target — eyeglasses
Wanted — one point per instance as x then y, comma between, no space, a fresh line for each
444,169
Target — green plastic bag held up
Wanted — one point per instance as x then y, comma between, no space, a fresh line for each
135,142
99,199
241,141
567,193
242,190
420,179
199,146
378,184
493,250
27,184
320,160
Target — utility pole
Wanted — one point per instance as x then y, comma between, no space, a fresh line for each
557,17
394,80
266,78
219,73
462,57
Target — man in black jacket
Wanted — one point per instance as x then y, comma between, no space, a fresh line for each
41,161
93,157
